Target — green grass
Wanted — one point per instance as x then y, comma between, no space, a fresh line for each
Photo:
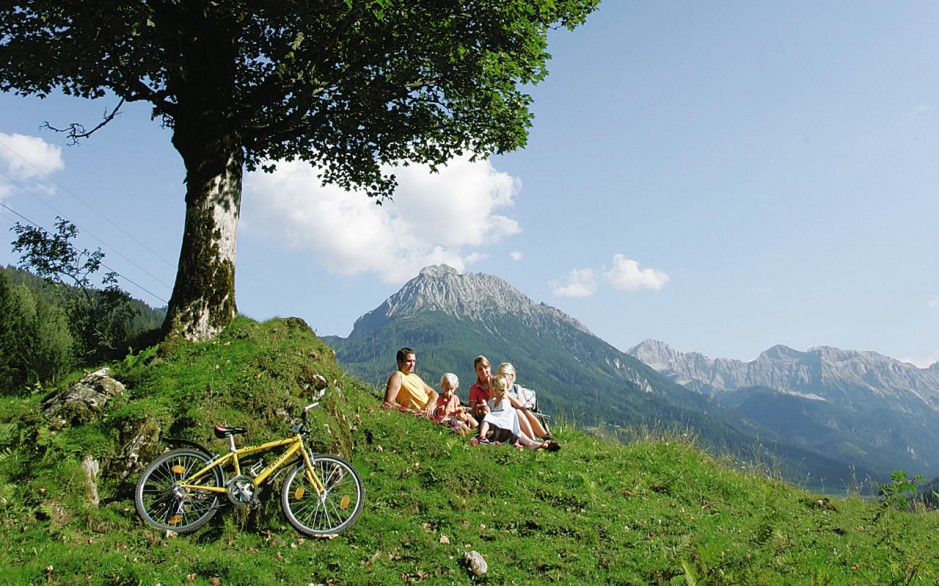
656,511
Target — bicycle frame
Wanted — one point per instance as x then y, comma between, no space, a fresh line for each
321,495
295,444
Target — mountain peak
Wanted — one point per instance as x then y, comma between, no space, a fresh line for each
821,371
438,271
654,353
781,352
475,296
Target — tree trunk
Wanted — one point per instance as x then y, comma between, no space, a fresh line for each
203,300
206,133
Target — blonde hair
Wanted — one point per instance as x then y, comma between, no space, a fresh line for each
506,368
499,387
449,380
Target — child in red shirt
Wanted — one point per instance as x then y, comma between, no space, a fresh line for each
448,408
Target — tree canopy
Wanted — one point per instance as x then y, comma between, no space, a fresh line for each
347,85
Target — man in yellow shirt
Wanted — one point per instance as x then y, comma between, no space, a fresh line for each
406,388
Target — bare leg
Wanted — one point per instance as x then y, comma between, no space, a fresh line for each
530,424
470,421
524,424
530,443
536,426
483,430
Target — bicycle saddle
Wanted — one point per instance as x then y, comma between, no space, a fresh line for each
223,432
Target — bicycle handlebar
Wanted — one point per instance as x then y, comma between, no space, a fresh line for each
316,401
307,409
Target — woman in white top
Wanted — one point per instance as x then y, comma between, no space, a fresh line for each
531,425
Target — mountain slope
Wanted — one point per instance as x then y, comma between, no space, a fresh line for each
857,406
448,318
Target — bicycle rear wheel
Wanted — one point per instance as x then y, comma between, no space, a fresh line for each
163,503
329,512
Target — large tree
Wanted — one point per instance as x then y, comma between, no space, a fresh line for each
347,85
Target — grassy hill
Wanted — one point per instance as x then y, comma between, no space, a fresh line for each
656,511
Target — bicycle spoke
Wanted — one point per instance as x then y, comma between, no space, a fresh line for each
164,503
330,511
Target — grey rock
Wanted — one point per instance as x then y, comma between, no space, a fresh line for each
476,562
92,468
82,401
824,373
858,406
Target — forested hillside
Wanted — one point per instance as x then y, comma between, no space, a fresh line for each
48,329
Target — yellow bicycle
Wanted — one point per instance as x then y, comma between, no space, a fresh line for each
183,488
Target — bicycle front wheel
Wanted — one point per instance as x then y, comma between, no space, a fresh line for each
164,503
328,512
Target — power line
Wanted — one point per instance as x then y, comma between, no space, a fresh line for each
83,229
138,285
129,280
11,210
86,204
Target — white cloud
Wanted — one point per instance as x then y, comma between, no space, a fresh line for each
27,158
923,361
516,255
434,217
577,283
627,276
933,303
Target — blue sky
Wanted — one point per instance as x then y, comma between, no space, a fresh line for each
721,176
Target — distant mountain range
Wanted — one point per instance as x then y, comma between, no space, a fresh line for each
782,419
855,406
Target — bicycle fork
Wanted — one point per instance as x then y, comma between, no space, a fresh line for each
311,477
318,485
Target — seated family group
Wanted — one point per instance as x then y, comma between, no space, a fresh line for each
496,409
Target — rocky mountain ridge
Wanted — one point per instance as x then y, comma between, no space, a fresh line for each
823,373
475,296
855,406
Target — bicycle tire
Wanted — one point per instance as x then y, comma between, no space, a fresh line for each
161,504
331,512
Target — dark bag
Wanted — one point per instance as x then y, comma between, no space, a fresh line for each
503,436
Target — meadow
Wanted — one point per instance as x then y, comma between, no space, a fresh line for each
656,509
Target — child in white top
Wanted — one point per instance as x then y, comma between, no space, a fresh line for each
500,414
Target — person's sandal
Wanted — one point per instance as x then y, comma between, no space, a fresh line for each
553,446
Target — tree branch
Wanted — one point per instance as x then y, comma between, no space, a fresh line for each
76,131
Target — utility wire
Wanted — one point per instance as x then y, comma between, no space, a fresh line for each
138,285
88,205
89,233
27,220
129,280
